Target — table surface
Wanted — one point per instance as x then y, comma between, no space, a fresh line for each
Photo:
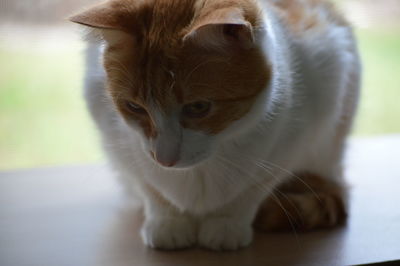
77,216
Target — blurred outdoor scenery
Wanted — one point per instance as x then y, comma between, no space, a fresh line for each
43,120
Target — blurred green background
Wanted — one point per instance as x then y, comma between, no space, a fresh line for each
43,120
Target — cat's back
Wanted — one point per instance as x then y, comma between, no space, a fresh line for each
308,16
320,38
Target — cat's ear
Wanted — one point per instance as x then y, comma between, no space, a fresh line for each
222,28
111,15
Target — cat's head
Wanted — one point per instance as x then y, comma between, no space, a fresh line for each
185,74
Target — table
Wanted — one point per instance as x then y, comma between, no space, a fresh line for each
77,216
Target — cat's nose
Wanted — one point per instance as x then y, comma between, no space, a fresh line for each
164,161
167,162
167,146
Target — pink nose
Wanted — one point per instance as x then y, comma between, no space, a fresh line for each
167,164
163,162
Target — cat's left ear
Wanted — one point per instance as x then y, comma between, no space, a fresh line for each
223,28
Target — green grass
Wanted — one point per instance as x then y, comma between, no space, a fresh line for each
42,116
379,112
43,120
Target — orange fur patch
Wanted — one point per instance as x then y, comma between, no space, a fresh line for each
311,203
152,64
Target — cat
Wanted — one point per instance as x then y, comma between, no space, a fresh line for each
222,115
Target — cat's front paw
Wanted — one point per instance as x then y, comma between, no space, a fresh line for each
224,234
169,233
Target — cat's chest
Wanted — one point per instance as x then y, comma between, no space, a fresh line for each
199,192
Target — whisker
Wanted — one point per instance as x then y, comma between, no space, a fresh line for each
281,193
299,214
274,197
296,176
288,216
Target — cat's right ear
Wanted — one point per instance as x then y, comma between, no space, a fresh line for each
110,20
110,15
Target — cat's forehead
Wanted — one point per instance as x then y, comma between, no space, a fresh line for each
150,79
161,22
154,64
152,54
173,77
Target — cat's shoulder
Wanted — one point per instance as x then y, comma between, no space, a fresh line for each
308,15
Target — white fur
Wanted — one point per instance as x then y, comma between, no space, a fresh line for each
290,128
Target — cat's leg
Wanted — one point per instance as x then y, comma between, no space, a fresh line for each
230,227
315,198
165,227
306,202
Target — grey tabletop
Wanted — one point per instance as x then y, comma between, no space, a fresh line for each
77,216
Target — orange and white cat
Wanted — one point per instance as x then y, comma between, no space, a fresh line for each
223,114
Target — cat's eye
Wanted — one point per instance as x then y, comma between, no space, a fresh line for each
197,109
135,108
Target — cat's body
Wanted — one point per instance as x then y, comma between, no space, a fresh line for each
295,125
